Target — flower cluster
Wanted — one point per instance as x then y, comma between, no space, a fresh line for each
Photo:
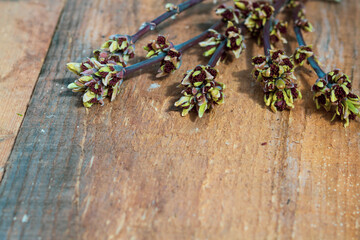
276,75
212,42
99,78
106,57
170,63
302,54
335,90
155,47
277,32
302,22
120,45
228,13
235,41
255,14
201,91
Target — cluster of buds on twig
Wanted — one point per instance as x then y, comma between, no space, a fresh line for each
120,45
256,14
201,91
301,54
212,42
235,41
228,13
334,90
155,47
96,80
172,60
102,75
278,30
302,22
276,75
170,63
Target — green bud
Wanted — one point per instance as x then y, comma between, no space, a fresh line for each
202,109
182,100
333,98
114,46
74,67
240,5
197,84
280,84
210,52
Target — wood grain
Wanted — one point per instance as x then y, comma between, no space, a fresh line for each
135,169
26,31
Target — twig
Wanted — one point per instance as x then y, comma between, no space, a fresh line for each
152,24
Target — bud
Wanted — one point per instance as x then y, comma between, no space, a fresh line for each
256,14
170,63
302,22
334,90
212,42
302,54
277,32
201,91
74,67
155,47
228,13
120,44
235,41
276,75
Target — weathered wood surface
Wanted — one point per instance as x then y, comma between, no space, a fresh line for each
26,31
135,169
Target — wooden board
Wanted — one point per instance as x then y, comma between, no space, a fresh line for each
26,31
135,169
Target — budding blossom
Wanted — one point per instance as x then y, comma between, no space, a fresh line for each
278,30
256,14
155,47
302,54
228,13
334,90
235,41
170,63
99,77
302,22
201,91
120,44
276,75
212,42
